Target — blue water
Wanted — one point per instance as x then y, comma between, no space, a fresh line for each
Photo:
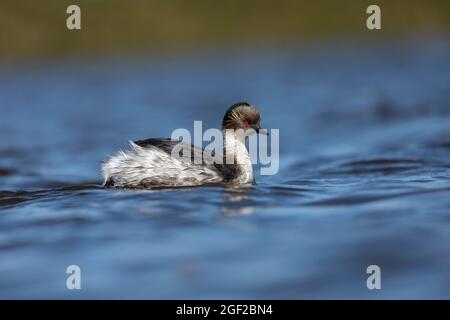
364,174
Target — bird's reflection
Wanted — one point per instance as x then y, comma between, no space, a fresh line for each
236,201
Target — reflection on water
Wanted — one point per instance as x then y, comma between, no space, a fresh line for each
364,176
236,202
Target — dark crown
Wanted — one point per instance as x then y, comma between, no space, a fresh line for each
239,112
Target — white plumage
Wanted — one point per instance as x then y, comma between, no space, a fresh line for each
150,166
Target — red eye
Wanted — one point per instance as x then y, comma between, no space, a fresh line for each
245,123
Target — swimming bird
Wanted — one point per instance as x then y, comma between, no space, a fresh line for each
152,163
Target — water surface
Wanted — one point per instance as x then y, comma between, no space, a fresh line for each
364,175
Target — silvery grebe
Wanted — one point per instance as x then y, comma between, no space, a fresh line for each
150,162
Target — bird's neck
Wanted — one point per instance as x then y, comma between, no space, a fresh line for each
236,154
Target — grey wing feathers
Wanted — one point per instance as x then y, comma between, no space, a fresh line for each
167,145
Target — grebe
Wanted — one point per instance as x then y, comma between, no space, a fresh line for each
150,162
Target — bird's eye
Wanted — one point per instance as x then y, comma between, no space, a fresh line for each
245,123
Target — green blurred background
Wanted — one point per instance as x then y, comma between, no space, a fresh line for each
30,28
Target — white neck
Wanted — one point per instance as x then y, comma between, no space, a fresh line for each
237,154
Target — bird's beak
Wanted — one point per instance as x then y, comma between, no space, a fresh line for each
260,130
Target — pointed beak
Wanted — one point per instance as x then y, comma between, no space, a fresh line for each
260,130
